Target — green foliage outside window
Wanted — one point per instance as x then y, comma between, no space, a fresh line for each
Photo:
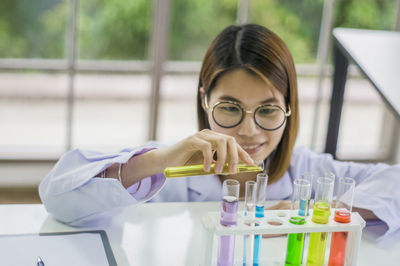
194,24
114,29
120,29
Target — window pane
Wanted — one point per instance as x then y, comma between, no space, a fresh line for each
362,121
370,14
194,24
111,111
297,22
308,91
116,29
178,111
32,113
33,29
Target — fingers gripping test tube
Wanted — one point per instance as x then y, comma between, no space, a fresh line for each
229,208
250,217
299,209
344,203
261,194
321,213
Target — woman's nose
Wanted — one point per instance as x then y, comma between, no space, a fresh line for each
248,126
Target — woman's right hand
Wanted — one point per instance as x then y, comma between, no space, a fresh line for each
201,148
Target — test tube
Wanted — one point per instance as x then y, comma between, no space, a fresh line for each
250,214
310,178
344,203
196,170
261,194
301,194
321,213
229,207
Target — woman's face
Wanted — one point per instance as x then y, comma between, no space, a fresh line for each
250,91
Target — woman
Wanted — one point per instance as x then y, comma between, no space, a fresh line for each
247,107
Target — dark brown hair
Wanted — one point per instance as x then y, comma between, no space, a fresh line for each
260,51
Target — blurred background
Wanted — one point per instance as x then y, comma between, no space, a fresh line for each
107,74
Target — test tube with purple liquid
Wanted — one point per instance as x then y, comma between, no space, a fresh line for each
229,208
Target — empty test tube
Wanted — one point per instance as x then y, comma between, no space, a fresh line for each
299,208
344,203
229,207
261,194
321,213
250,214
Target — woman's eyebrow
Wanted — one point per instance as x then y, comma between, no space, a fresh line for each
233,99
229,98
270,100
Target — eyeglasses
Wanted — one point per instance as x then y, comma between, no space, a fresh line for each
228,114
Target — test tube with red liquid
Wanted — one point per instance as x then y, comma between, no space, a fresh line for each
344,202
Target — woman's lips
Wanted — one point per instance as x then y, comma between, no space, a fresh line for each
252,148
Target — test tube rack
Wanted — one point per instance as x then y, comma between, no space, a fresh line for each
277,222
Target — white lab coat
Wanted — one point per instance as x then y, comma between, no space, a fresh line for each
72,194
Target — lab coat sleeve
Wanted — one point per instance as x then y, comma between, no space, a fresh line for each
73,195
377,185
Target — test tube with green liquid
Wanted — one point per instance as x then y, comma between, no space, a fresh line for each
195,170
321,213
299,209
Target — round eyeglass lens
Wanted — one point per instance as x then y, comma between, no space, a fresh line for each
227,114
269,117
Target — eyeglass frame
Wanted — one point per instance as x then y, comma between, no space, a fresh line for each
246,111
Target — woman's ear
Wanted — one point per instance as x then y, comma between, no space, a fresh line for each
203,99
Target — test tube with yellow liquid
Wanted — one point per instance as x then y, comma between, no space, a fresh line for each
195,170
321,213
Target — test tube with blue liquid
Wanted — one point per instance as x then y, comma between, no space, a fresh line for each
321,213
303,203
261,194
298,215
344,203
229,208
250,214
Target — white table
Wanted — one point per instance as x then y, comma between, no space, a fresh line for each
377,55
170,234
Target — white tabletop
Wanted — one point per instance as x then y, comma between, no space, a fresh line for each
171,234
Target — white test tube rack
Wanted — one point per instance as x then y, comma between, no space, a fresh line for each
269,225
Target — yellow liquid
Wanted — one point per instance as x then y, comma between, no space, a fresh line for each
321,213
317,244
316,249
194,170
